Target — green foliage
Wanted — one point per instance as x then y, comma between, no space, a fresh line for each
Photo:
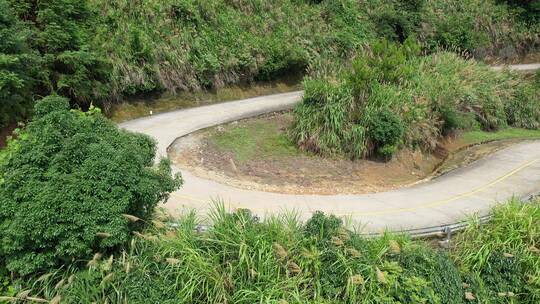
388,63
456,23
66,182
483,28
503,273
16,68
390,97
208,44
57,35
386,130
439,270
502,256
6,287
528,10
243,260
394,19
322,227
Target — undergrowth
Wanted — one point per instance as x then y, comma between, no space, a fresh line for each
243,259
103,52
502,259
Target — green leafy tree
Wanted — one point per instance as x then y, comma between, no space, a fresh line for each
16,67
67,183
61,31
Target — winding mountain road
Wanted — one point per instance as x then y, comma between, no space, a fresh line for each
422,209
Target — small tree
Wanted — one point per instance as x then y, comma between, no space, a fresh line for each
66,184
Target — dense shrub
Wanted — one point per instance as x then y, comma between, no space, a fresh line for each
391,97
66,183
437,268
386,130
17,68
395,19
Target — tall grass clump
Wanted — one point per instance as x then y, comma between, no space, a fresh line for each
392,97
501,259
241,259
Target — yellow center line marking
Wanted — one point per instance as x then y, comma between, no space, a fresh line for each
394,210
453,198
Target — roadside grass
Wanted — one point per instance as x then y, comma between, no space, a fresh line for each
254,139
501,259
241,259
266,138
142,107
479,136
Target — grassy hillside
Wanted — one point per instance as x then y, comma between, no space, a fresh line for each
390,97
97,51
192,45
178,45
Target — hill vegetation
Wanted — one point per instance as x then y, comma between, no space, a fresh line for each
78,196
391,97
241,259
100,52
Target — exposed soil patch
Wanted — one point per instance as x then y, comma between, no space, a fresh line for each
462,154
256,154
514,58
5,132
